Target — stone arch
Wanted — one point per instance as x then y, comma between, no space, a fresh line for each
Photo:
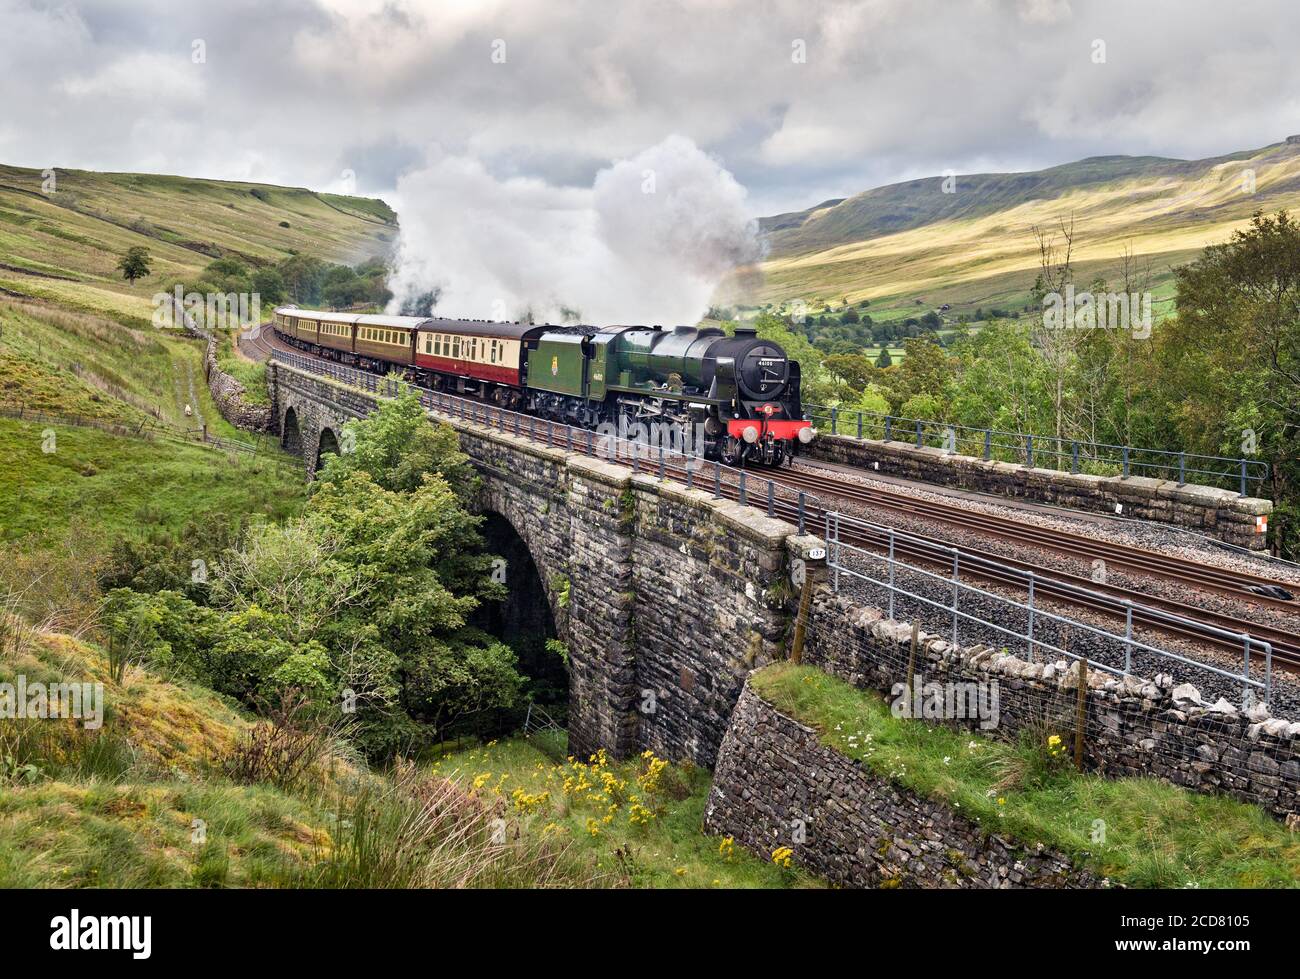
524,619
327,443
291,431
548,562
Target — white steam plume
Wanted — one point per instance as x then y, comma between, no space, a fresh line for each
647,243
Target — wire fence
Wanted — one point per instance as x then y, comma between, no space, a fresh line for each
1028,629
1048,451
146,429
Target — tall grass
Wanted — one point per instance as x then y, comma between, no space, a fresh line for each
413,831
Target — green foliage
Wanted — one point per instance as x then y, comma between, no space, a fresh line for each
369,591
398,447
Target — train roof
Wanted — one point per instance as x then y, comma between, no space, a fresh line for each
485,328
365,319
458,327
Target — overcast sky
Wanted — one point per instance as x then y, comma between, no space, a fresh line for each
608,155
299,91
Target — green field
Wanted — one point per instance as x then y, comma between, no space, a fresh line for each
58,475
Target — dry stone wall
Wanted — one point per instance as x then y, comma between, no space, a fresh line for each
856,828
1133,726
1216,512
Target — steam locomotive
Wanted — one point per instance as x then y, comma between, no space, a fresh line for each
733,398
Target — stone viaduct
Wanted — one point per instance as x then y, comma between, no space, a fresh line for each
668,599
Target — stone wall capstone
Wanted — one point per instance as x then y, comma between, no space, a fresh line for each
1220,513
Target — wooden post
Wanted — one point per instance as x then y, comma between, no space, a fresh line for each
801,621
911,663
1081,713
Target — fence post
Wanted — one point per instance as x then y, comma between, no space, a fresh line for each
891,574
988,444
743,500
1245,671
717,480
801,512
839,558
1074,464
771,499
1128,636
1029,451
835,415
1243,477
1125,453
1031,617
1081,713
889,429
661,462
918,433
690,476
911,665
956,586
1182,469
859,424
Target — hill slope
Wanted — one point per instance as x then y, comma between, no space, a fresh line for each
894,245
64,245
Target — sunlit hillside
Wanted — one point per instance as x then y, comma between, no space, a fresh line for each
911,242
61,240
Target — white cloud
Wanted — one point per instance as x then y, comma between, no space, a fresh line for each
890,87
647,242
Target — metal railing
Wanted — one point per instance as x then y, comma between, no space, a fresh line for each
1047,451
1031,638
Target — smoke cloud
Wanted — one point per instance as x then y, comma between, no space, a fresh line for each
648,242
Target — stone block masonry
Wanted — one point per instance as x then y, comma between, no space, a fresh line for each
1134,726
666,597
228,393
856,828
1215,512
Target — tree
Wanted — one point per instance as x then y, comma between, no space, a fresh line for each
303,277
1229,364
854,370
135,264
269,285
397,447
884,360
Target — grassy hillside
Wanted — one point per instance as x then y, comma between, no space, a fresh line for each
910,247
64,246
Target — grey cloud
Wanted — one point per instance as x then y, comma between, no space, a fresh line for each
294,89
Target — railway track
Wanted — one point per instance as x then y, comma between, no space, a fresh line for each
1207,577
1148,611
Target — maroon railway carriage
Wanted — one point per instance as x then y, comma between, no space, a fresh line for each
475,356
